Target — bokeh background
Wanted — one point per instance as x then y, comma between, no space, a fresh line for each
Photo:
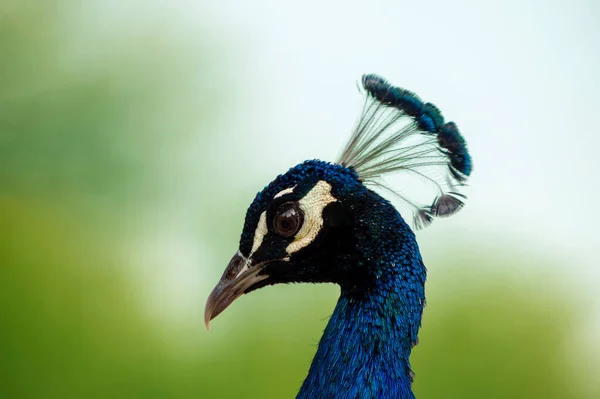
134,134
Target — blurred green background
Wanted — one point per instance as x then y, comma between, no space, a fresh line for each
133,135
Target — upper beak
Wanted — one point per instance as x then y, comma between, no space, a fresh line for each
237,278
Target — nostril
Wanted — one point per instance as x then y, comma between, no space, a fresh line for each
236,264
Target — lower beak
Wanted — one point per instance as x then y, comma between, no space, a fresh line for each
237,278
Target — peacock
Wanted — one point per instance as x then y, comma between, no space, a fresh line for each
323,222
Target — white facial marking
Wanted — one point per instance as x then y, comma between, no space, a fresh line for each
261,228
259,233
284,192
245,267
312,204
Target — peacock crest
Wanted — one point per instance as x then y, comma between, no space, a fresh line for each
397,132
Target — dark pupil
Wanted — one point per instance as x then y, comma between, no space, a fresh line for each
286,223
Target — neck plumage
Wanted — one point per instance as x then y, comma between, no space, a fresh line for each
365,349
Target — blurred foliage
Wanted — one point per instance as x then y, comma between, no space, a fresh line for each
86,132
486,336
97,119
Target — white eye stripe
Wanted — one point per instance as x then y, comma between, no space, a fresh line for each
261,227
259,233
312,205
284,192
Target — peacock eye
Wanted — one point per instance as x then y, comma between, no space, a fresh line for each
288,219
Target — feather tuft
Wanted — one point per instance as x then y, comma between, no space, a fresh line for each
381,90
397,132
431,118
446,205
422,219
450,139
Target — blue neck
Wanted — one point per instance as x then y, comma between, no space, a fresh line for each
365,349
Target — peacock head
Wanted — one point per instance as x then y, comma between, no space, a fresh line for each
307,224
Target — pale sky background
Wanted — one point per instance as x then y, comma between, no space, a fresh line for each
519,78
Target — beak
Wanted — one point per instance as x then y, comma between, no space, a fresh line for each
239,275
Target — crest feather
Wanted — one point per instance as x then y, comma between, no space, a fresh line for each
397,132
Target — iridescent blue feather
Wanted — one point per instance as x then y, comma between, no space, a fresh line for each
431,118
451,140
